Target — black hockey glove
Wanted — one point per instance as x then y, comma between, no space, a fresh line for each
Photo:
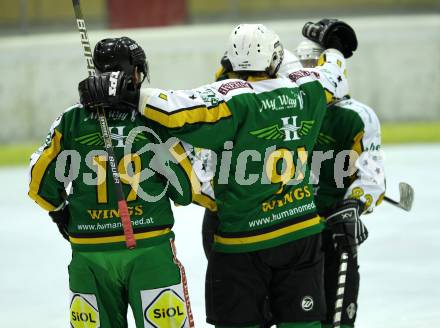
332,33
347,229
61,219
113,90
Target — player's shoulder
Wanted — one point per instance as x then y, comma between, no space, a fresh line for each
67,114
290,63
75,108
253,86
361,111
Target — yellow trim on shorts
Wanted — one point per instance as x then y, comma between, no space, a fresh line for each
269,235
116,239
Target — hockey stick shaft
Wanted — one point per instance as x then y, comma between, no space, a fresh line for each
391,201
130,241
340,290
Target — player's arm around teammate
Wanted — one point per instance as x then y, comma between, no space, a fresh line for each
257,227
104,276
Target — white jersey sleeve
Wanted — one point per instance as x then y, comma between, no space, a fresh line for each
330,72
369,185
203,165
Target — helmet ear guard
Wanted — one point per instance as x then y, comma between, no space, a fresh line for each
277,59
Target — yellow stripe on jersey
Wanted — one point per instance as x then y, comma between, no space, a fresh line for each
178,153
357,142
188,116
329,97
40,167
269,235
116,239
356,147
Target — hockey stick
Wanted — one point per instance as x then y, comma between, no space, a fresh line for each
342,275
130,241
405,202
406,197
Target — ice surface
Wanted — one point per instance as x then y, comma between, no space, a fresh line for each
400,262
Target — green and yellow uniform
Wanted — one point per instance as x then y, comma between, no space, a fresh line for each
104,277
348,126
253,127
261,131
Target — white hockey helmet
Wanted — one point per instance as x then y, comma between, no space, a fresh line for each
308,53
255,48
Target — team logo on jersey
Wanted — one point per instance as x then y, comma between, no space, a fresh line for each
307,303
116,133
84,311
209,97
288,131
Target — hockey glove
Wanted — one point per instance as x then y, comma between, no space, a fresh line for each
332,33
113,90
61,219
347,229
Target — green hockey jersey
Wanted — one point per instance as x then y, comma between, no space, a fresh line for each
349,127
261,132
72,166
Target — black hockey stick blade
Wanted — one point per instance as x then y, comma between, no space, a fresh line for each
406,197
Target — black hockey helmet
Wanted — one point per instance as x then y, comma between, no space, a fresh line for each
120,54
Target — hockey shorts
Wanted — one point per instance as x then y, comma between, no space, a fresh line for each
283,282
151,280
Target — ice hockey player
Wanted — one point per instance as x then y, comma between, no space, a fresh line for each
268,241
348,125
104,276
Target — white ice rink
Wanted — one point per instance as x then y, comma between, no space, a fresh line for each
400,262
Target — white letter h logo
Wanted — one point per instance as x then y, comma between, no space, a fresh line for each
290,129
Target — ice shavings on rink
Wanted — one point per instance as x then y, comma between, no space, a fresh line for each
400,263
